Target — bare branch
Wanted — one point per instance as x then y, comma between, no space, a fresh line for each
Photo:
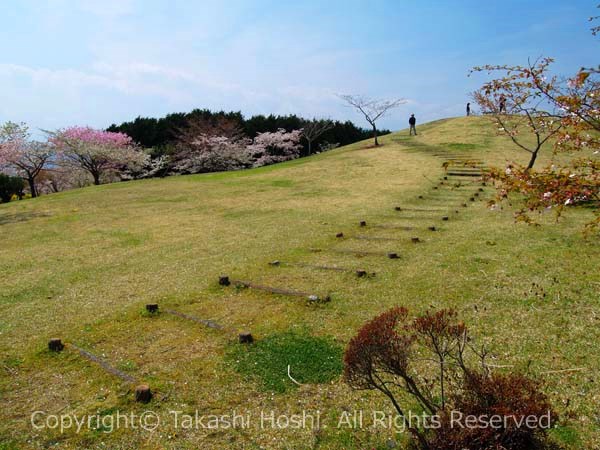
315,128
371,109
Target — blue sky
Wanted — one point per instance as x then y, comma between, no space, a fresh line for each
96,62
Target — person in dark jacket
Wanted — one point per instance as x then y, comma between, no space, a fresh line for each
502,103
412,122
468,109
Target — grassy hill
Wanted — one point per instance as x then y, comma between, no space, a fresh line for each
81,265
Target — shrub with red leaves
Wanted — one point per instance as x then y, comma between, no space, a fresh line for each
514,415
431,358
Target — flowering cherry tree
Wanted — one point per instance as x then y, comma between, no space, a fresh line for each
273,147
552,188
22,156
95,151
60,179
213,154
211,146
516,106
567,110
220,145
145,167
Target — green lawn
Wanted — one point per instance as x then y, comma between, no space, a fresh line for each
81,265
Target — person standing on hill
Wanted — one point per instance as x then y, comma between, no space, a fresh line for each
412,122
468,109
502,103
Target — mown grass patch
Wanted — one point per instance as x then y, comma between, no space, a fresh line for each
281,183
311,359
460,146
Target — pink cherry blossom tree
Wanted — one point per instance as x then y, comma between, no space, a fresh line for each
211,146
60,179
273,147
213,154
97,152
21,155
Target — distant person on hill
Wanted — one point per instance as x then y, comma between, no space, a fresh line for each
468,109
412,122
502,104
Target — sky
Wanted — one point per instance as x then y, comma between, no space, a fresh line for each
98,62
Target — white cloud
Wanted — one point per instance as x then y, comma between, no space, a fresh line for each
106,93
132,58
45,76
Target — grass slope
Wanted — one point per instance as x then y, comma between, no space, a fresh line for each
82,264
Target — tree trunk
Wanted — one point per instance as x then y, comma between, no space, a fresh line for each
533,158
375,134
96,176
32,189
414,431
309,147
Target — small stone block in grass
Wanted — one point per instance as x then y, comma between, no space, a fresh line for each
152,308
224,280
55,345
246,338
143,394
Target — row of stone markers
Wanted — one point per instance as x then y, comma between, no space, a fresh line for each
142,391
458,168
